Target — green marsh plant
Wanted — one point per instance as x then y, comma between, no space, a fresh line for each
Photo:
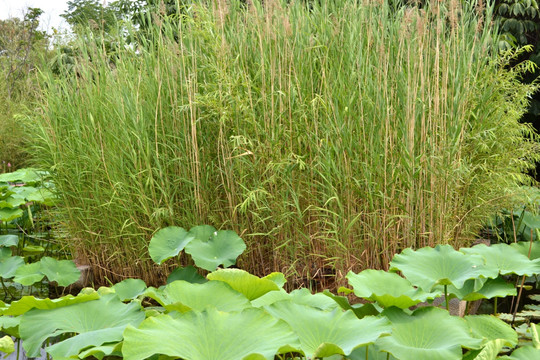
331,136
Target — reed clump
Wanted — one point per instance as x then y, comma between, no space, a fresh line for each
329,136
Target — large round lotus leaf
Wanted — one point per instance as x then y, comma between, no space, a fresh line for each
6,215
27,303
9,240
429,334
250,285
7,345
168,242
188,273
42,196
531,250
485,289
387,289
9,265
325,333
202,232
129,289
95,323
441,265
490,328
209,335
28,274
523,353
222,248
183,296
505,259
64,272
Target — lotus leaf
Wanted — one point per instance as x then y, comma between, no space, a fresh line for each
188,274
209,335
270,298
12,202
278,278
370,352
10,325
486,289
525,247
387,289
505,259
64,272
442,265
27,175
183,296
96,322
325,333
27,303
491,328
523,353
250,285
9,264
33,249
168,242
129,289
28,274
9,240
6,215
6,344
222,248
360,310
202,232
99,352
429,333
298,296
42,196
488,352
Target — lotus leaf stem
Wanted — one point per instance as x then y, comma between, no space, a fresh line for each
446,297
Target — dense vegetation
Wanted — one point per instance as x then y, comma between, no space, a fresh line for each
331,136
356,143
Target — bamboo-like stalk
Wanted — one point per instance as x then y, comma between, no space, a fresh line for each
331,136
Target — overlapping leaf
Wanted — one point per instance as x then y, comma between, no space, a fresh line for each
429,334
325,333
183,296
387,289
95,323
168,242
250,285
209,335
442,265
221,248
505,259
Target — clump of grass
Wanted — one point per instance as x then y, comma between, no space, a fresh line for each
330,136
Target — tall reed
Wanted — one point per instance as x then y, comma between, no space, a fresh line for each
330,137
